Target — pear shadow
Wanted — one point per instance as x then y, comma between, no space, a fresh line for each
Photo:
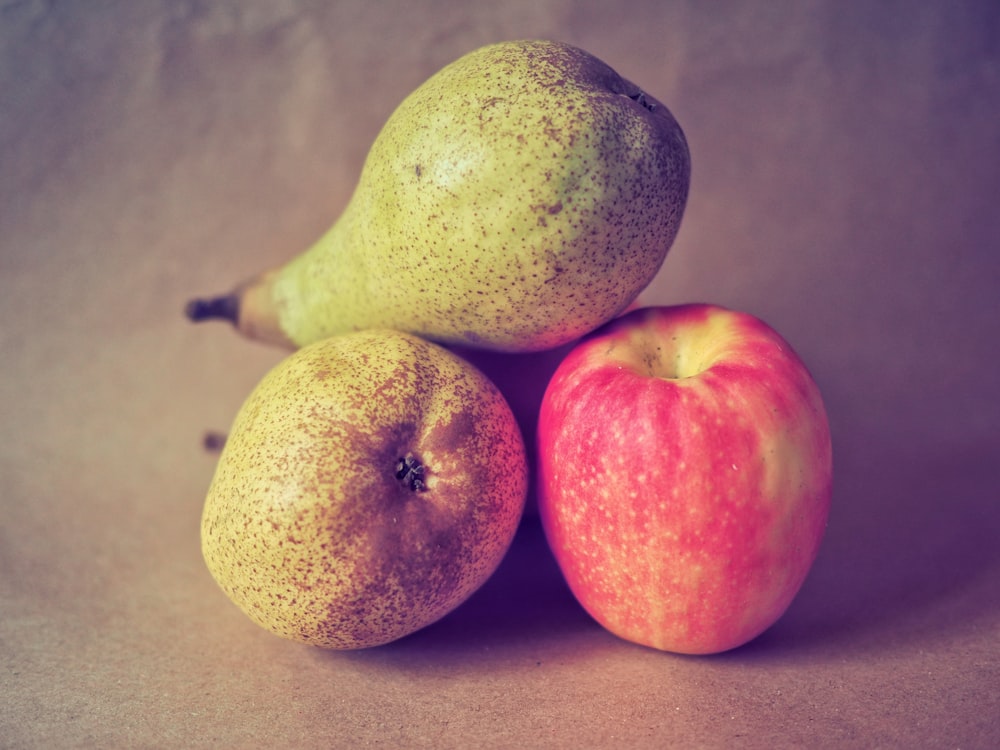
526,597
525,606
910,560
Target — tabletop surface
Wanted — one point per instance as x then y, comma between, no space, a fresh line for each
844,190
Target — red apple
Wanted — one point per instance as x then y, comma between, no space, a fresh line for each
685,468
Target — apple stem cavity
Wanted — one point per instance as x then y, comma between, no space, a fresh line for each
411,472
223,307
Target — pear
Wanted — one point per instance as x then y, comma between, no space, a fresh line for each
519,198
370,483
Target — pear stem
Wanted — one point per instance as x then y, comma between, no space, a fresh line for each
223,307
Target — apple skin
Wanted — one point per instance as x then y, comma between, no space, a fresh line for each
684,476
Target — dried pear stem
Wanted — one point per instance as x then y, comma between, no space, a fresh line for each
249,307
223,307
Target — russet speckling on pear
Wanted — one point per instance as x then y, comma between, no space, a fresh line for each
370,483
519,198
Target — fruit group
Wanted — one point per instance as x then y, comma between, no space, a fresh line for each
370,483
522,196
512,206
684,476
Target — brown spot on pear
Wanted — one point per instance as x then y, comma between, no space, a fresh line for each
370,483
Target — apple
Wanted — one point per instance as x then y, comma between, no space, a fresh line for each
371,482
684,476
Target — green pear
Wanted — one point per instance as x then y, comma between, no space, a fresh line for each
521,197
370,483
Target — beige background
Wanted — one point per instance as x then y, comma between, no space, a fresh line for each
845,189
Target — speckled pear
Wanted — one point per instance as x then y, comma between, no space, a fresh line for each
523,195
370,483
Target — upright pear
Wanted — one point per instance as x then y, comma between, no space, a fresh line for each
371,482
521,197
